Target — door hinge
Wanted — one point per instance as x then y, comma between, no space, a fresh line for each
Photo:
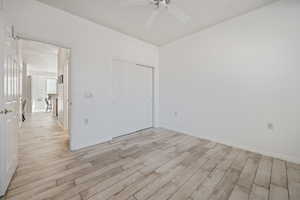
13,33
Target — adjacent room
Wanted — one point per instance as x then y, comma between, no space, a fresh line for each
40,76
149,100
44,82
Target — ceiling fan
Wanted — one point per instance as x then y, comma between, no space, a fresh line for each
159,6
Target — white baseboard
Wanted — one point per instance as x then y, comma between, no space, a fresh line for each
280,156
76,147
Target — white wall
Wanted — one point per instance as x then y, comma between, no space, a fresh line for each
228,82
92,49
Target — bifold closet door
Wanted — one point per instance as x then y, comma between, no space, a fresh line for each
132,90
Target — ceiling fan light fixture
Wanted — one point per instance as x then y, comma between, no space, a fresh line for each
159,3
158,6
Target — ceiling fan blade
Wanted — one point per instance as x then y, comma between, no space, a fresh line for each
134,2
151,19
178,13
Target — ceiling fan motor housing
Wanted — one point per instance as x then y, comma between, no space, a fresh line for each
161,2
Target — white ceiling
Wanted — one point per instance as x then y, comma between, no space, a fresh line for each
131,19
39,57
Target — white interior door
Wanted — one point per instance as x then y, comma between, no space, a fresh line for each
132,90
9,106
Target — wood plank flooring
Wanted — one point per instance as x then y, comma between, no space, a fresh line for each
153,164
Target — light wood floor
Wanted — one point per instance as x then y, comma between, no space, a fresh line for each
155,164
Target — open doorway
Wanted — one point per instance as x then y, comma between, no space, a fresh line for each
45,85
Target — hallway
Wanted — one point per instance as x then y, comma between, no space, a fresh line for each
41,140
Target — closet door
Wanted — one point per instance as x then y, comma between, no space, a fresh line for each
132,90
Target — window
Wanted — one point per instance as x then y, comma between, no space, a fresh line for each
51,86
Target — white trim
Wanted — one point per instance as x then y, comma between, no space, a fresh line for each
21,37
281,156
132,62
28,38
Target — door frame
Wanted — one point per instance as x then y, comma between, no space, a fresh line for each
154,84
69,111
